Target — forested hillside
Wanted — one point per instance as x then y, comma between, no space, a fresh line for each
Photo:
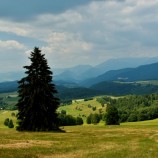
134,107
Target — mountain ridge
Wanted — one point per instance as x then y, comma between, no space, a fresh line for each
143,72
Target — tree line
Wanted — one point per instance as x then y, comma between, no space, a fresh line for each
134,107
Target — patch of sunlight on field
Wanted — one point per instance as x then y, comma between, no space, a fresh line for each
82,108
6,114
148,122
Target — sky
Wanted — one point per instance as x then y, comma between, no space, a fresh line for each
76,32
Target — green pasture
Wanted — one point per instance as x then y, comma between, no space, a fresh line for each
82,108
129,140
10,99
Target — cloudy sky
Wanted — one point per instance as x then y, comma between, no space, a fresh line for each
73,32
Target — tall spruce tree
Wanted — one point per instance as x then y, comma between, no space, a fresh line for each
37,102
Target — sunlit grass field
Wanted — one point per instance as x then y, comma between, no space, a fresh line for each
129,140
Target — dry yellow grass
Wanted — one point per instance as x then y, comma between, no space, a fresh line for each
88,141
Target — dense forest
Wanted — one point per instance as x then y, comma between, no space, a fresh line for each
134,107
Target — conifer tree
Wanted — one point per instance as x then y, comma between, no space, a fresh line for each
37,101
10,124
112,116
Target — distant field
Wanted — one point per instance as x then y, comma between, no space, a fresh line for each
152,82
83,108
148,122
129,140
10,99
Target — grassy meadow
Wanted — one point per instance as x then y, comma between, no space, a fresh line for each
131,140
82,108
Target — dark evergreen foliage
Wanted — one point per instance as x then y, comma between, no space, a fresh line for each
134,107
79,121
68,120
10,124
37,104
6,121
112,116
93,118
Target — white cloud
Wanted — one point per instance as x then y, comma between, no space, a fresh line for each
11,44
91,33
14,27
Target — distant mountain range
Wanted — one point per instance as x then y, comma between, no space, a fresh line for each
145,72
113,77
83,72
80,73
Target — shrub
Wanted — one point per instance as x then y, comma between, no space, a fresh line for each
89,105
13,114
79,121
68,120
93,119
89,119
87,99
10,124
6,122
94,108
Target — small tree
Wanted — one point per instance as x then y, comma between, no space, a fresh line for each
13,114
95,118
6,121
37,104
79,121
93,108
112,116
89,119
10,124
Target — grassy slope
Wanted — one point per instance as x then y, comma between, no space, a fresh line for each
4,115
148,122
80,108
9,98
129,140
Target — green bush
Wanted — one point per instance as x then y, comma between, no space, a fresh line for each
79,121
68,120
93,108
93,119
87,99
10,124
89,119
6,122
